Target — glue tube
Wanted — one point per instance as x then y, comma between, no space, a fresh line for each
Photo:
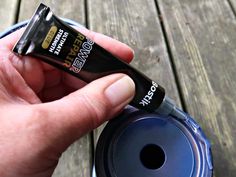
50,39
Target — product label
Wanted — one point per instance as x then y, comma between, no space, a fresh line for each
74,50
56,43
48,39
79,53
148,97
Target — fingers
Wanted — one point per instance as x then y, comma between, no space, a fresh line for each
117,48
10,40
81,111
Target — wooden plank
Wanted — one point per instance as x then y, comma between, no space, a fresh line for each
77,160
72,9
201,35
232,4
136,23
8,11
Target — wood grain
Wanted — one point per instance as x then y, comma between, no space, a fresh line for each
73,9
203,45
136,23
8,11
232,4
77,160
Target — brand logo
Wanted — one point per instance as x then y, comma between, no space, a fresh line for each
82,56
148,97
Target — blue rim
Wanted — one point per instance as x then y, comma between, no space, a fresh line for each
184,143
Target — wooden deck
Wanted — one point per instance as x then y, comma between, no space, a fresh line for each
188,46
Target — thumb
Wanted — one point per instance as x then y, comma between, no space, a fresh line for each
85,109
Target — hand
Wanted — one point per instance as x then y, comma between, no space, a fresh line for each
43,112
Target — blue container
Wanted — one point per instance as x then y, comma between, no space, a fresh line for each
137,144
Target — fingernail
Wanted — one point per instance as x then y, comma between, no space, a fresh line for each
121,91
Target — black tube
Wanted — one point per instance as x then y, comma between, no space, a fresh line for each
53,41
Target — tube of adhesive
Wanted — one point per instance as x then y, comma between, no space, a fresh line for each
50,39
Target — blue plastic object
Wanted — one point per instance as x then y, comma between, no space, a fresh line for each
137,144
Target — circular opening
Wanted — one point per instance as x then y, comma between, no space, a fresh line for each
152,156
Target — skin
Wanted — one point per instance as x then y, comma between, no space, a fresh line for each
44,110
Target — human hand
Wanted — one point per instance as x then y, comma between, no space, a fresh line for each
43,112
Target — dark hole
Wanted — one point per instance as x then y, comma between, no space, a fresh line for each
152,156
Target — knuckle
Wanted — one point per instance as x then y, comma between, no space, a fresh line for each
96,108
91,35
38,118
38,112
